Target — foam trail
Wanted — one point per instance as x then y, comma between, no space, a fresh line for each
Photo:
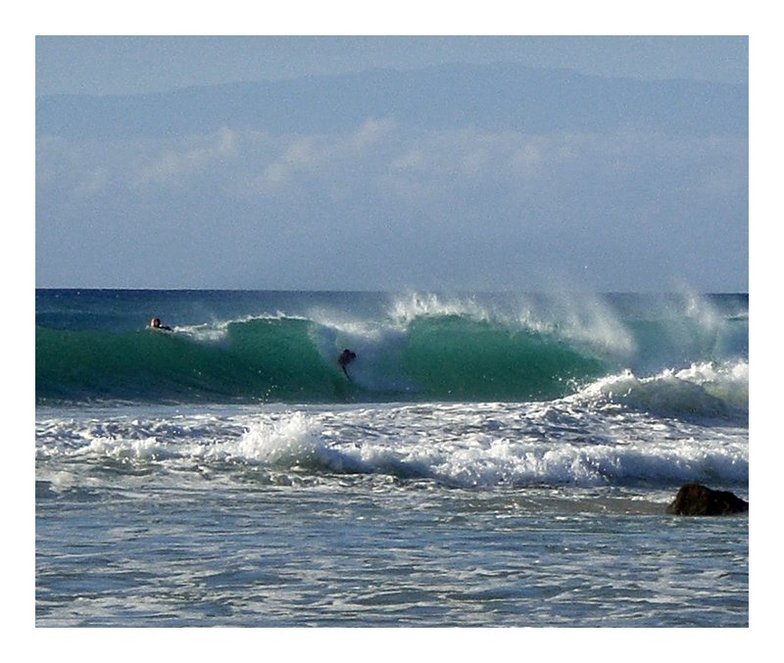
560,443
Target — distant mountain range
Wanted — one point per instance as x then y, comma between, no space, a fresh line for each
485,97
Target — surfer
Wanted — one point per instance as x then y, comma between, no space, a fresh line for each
155,323
346,357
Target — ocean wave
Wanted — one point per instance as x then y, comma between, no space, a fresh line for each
293,359
420,348
462,446
703,390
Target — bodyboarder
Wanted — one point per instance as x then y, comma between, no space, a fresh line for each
346,357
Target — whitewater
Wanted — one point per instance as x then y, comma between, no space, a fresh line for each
488,460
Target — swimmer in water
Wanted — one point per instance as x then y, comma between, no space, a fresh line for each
155,323
346,357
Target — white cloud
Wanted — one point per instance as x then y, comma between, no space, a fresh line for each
424,197
181,161
92,183
322,156
370,133
376,159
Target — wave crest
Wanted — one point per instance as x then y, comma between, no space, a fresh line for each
420,347
705,389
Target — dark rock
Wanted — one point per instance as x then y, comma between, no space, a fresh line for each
694,499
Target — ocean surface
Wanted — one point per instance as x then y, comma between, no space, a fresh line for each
486,460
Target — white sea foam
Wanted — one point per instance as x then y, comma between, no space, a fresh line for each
453,447
205,333
217,331
290,439
614,432
703,389
130,450
407,308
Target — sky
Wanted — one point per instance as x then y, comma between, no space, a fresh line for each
126,65
381,202
387,202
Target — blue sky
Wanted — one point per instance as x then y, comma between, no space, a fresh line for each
384,203
125,65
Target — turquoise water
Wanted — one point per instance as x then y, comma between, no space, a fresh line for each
262,347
